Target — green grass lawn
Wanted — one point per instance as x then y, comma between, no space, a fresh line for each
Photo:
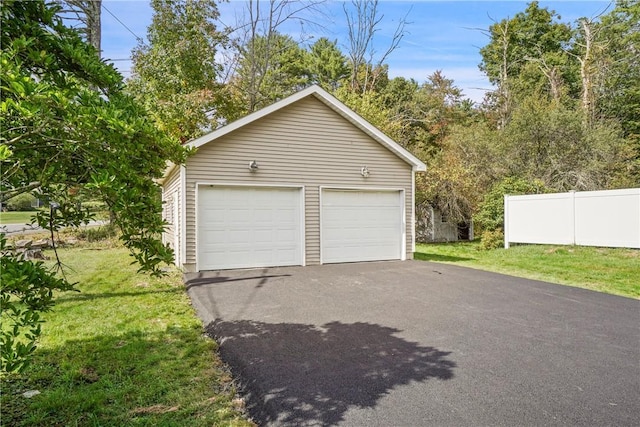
16,217
615,271
25,217
127,350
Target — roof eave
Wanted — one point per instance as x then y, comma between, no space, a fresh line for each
167,172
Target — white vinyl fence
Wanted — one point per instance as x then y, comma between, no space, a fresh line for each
589,218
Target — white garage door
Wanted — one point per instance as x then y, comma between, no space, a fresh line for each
243,227
361,225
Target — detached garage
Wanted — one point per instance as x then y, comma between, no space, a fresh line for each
304,181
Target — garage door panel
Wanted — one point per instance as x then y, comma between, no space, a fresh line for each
361,225
242,227
236,216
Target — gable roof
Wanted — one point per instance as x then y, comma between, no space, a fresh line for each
330,101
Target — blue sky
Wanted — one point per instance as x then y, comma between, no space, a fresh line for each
441,35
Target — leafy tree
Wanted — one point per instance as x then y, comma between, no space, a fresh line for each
526,53
175,75
269,64
460,170
371,108
327,65
426,111
68,126
270,68
619,94
549,142
442,106
448,186
401,99
533,33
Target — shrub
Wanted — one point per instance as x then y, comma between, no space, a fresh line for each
491,239
98,233
21,202
490,216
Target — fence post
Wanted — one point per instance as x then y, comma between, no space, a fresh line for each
506,221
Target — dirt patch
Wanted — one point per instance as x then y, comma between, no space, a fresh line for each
89,375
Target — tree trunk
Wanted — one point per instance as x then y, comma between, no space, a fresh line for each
89,13
504,92
586,72
94,24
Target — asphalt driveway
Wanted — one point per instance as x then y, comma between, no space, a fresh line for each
417,344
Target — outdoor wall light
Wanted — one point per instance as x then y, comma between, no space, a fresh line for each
253,166
364,172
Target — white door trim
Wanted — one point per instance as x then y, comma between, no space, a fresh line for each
183,215
177,228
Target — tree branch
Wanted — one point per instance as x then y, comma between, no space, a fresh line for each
8,194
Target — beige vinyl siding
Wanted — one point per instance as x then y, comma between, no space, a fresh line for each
306,144
170,187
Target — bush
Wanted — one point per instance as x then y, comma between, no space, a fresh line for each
490,216
98,233
491,240
21,202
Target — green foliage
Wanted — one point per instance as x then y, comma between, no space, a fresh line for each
369,106
176,76
26,290
490,216
448,184
550,142
327,65
426,111
526,52
21,202
69,128
270,68
69,125
619,34
491,239
97,234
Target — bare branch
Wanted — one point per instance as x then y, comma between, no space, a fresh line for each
263,22
88,12
362,28
8,194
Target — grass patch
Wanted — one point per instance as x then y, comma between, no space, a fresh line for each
610,270
24,217
16,217
127,350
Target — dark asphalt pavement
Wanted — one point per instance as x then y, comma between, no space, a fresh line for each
422,344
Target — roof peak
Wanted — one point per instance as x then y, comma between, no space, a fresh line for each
329,100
